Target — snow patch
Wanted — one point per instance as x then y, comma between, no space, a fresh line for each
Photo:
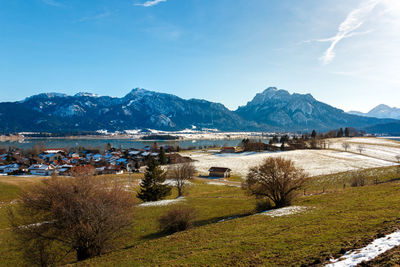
161,202
374,249
283,211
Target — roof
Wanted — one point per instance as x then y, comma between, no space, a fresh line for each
55,150
39,167
219,169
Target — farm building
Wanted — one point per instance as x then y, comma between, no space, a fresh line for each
219,172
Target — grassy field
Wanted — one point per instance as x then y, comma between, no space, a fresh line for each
336,221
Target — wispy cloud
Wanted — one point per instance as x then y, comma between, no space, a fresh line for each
94,17
52,3
354,20
151,3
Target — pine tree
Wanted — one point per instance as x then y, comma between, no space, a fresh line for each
346,132
314,134
340,133
151,187
162,157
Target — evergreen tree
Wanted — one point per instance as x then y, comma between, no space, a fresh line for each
151,187
162,157
346,132
340,133
314,134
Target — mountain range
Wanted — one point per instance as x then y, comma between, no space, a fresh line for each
271,110
380,111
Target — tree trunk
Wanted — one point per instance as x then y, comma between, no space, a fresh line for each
83,254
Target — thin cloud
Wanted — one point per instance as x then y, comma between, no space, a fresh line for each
354,20
151,3
52,3
95,17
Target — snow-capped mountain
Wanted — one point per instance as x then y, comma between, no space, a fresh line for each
297,112
380,111
138,109
272,110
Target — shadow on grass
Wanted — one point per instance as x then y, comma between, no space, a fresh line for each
197,224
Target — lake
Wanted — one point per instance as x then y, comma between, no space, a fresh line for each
117,143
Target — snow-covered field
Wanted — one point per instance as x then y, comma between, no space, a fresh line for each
373,147
314,162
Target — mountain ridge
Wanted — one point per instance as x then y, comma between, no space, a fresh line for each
380,111
271,110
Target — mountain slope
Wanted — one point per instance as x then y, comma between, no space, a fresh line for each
138,109
272,110
298,112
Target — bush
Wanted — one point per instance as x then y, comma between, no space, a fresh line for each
177,219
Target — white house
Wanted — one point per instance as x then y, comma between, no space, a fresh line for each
41,169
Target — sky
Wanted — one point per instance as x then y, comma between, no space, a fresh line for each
345,52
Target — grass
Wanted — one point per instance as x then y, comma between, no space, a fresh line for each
336,221
338,181
8,192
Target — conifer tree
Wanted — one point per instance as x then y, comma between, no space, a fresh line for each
340,133
346,132
314,134
152,187
162,157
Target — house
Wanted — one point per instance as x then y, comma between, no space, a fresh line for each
219,172
55,151
228,149
174,158
9,168
41,169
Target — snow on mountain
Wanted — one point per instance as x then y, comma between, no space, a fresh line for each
380,111
272,110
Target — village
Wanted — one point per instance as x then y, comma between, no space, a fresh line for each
209,161
61,161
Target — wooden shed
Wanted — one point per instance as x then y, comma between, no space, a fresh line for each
219,172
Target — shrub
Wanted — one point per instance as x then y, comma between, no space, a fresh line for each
177,219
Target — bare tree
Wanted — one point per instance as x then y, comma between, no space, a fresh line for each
345,146
276,179
180,174
361,149
357,179
85,215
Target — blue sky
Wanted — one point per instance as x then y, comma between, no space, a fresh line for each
344,52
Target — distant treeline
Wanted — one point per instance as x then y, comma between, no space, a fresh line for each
160,137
